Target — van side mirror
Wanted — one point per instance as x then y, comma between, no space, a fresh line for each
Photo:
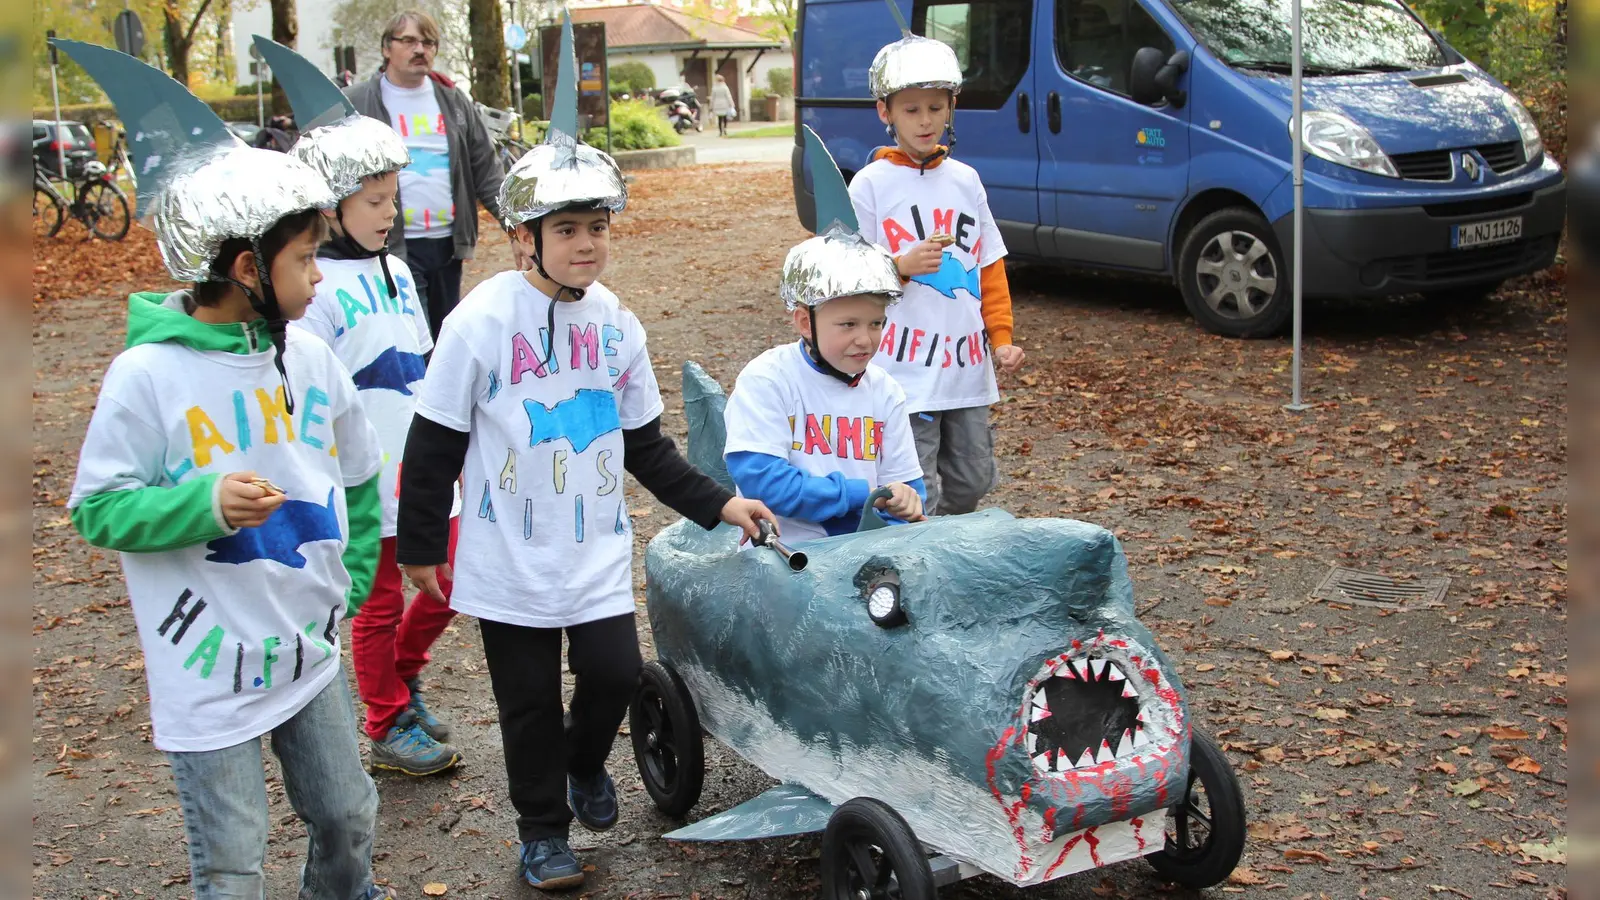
1153,78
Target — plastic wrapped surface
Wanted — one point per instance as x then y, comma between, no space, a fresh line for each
1019,716
914,62
837,264
349,150
232,192
783,811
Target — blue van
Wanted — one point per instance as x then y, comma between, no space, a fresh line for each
1153,136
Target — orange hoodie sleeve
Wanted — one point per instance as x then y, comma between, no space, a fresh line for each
995,302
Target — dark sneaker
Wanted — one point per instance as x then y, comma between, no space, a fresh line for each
436,729
548,864
593,800
409,750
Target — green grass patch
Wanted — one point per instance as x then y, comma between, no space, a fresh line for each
785,130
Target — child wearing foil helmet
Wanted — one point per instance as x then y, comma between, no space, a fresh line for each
368,311
815,427
952,328
541,385
230,462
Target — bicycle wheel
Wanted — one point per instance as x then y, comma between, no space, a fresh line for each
47,214
105,210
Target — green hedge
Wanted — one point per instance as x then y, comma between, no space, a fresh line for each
231,109
636,125
633,76
781,82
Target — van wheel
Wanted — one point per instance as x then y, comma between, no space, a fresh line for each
1233,276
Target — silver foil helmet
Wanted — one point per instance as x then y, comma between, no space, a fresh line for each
837,263
914,62
349,150
559,173
221,192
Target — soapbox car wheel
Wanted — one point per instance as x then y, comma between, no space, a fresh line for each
869,853
1205,832
666,740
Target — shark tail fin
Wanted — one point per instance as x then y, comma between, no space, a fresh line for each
703,404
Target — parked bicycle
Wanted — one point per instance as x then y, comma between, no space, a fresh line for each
97,202
121,164
507,146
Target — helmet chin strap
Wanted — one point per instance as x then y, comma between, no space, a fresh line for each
537,227
827,368
265,303
352,247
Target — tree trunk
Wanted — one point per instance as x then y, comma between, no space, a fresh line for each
223,67
177,43
490,83
286,31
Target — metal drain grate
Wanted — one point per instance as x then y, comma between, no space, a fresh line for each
1349,586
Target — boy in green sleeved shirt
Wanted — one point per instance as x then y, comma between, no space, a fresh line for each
230,462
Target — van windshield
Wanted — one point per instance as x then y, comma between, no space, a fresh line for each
1339,37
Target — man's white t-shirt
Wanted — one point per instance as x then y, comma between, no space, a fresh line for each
382,340
545,538
934,344
426,201
241,632
781,406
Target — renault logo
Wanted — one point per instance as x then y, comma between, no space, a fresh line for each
1469,164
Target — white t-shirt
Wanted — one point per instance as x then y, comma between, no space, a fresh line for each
783,407
241,632
426,201
545,539
382,341
934,344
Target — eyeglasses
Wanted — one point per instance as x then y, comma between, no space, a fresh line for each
410,42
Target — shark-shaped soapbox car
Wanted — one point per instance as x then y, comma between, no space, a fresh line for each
974,685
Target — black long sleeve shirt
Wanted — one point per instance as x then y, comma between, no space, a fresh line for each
435,455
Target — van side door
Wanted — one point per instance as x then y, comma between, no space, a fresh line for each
1112,172
994,119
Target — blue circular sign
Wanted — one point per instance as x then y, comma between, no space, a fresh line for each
516,36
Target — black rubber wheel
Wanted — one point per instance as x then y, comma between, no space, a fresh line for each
869,853
1206,830
1464,296
1233,275
106,208
667,743
47,215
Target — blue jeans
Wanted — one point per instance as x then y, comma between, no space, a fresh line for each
224,798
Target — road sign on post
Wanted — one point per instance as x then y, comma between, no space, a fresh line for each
129,32
589,45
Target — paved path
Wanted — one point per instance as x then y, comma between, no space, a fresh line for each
708,148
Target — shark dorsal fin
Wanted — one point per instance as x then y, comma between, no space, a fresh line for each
899,18
827,185
162,118
703,405
564,111
315,99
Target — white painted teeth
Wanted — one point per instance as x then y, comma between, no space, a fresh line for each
1038,700
1033,740
1139,739
1128,691
1040,713
1124,746
1048,760
1114,673
1104,756
1086,760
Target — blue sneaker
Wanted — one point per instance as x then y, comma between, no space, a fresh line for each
409,750
593,800
436,729
548,864
378,893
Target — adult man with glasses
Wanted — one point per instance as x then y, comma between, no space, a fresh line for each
453,162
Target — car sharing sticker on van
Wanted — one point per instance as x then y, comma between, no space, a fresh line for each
1150,137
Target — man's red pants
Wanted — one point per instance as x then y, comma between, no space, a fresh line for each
389,639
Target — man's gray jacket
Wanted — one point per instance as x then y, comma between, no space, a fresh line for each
475,172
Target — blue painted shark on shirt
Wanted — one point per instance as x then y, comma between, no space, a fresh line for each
951,275
582,419
426,162
296,522
393,370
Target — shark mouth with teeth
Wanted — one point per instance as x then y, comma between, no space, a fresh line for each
1085,712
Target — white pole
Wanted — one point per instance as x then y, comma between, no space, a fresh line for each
1295,404
261,109
55,94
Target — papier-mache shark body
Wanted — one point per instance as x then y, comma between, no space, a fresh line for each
1021,720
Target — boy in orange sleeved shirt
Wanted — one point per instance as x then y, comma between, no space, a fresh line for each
932,214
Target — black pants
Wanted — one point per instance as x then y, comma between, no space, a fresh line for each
722,124
433,262
525,669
